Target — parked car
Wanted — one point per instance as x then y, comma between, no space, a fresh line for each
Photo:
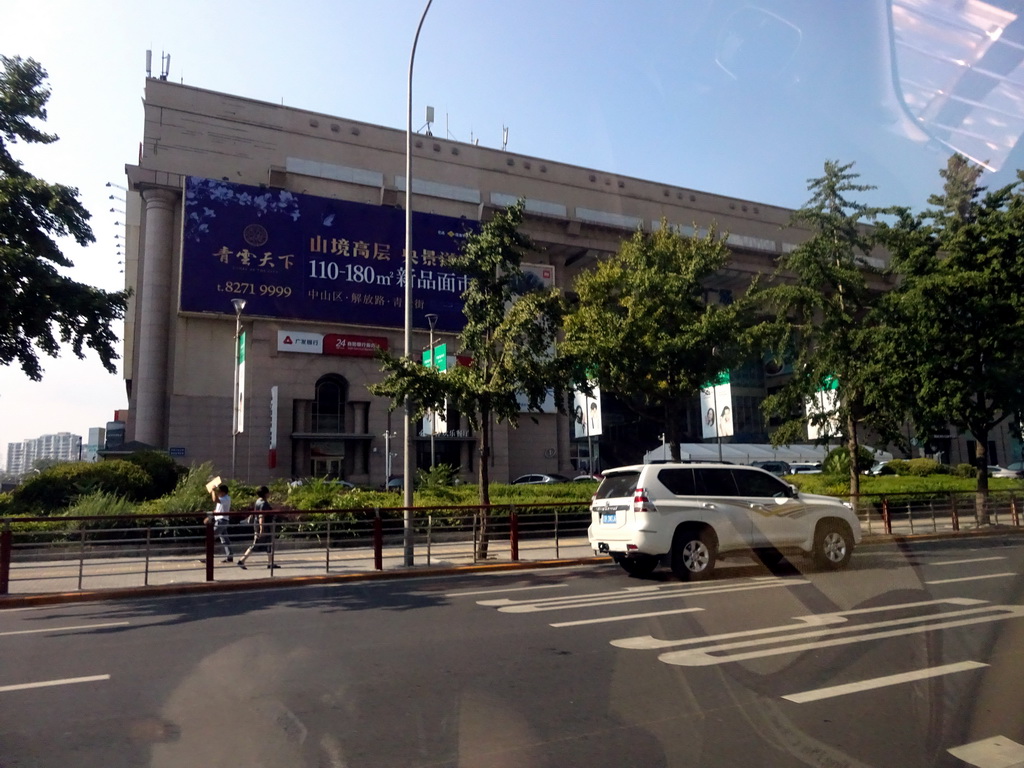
540,478
587,479
685,515
777,468
994,470
879,468
807,468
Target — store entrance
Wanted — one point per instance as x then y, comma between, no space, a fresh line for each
327,467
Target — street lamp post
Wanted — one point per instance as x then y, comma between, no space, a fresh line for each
407,468
239,305
432,321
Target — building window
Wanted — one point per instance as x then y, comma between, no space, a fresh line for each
329,404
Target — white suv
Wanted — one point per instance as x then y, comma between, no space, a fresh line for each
686,514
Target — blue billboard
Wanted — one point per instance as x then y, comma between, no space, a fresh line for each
301,257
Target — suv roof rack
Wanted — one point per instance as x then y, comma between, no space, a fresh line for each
689,461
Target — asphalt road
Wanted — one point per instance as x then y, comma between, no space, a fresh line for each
912,657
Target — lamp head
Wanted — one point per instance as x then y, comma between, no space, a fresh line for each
431,320
239,305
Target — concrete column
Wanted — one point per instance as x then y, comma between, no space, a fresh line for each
152,341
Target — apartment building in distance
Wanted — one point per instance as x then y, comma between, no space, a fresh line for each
62,446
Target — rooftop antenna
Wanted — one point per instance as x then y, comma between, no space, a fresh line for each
430,119
165,65
504,137
149,63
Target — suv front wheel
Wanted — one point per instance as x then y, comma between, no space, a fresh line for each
833,545
693,554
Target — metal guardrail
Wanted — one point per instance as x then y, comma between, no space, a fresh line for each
62,554
921,513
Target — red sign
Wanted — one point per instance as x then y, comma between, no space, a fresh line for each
353,346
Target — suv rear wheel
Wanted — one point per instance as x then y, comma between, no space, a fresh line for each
693,554
638,565
833,545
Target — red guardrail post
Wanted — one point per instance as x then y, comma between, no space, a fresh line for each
378,543
1014,514
513,533
5,558
209,548
955,513
886,520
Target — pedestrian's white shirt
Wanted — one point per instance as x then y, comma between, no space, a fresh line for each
220,514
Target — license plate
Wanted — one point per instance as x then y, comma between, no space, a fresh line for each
608,518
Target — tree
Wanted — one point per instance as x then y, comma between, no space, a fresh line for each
509,336
42,307
642,330
961,307
829,317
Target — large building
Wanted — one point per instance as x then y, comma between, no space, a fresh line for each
62,446
300,214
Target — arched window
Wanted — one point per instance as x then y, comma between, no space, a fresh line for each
329,404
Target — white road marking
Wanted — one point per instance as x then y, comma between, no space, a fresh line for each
581,622
968,562
470,593
632,594
994,752
49,683
700,657
971,578
647,642
64,629
882,682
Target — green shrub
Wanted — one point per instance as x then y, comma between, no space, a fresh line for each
964,470
101,504
164,471
838,461
56,488
923,467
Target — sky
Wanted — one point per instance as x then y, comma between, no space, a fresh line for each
703,94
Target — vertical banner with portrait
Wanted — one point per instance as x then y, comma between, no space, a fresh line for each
586,413
822,410
716,407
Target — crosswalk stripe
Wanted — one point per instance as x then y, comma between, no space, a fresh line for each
51,683
607,619
882,682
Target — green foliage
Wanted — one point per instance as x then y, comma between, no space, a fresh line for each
959,303
37,297
641,328
964,470
837,462
439,480
188,498
919,468
319,493
101,504
924,468
56,488
164,471
892,485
